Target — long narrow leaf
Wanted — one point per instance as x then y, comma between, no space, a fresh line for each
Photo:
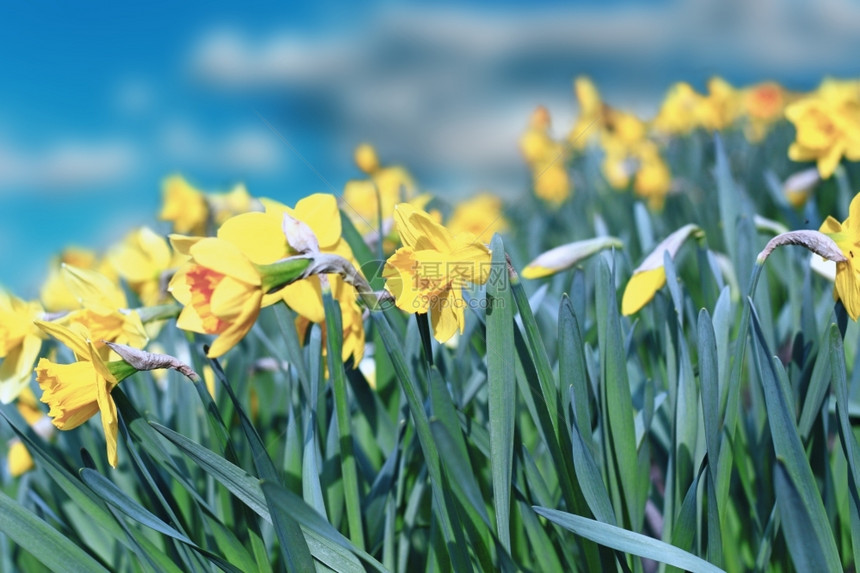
628,541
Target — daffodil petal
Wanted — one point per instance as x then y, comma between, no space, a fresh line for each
257,235
641,289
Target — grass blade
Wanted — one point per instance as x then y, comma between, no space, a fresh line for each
41,540
501,381
628,541
797,494
334,336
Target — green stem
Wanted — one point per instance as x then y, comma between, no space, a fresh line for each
333,337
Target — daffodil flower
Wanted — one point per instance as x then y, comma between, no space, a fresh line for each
104,309
20,343
55,293
846,235
142,260
184,206
827,124
220,289
429,272
281,232
480,216
545,158
75,392
364,200
650,276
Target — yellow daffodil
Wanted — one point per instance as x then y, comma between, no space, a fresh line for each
104,310
551,182
641,160
260,236
221,291
650,276
184,206
75,392
653,178
143,259
546,160
481,216
681,110
365,199
366,158
565,256
828,126
763,105
429,272
55,294
20,343
721,107
535,143
592,113
234,202
846,235
624,128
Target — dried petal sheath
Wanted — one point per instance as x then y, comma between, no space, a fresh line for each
817,242
143,360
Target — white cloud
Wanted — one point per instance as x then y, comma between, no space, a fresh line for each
226,57
449,90
248,148
65,165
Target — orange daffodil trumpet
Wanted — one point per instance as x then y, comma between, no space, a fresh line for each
650,276
428,273
221,290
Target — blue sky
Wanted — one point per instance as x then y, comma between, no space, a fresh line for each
100,104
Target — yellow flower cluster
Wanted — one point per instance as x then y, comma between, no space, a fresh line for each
230,256
827,123
546,160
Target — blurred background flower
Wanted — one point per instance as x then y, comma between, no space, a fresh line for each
100,106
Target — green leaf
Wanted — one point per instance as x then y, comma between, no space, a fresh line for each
588,474
804,546
846,431
118,499
41,540
501,382
571,367
797,494
334,340
441,500
294,548
248,489
628,541
618,426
